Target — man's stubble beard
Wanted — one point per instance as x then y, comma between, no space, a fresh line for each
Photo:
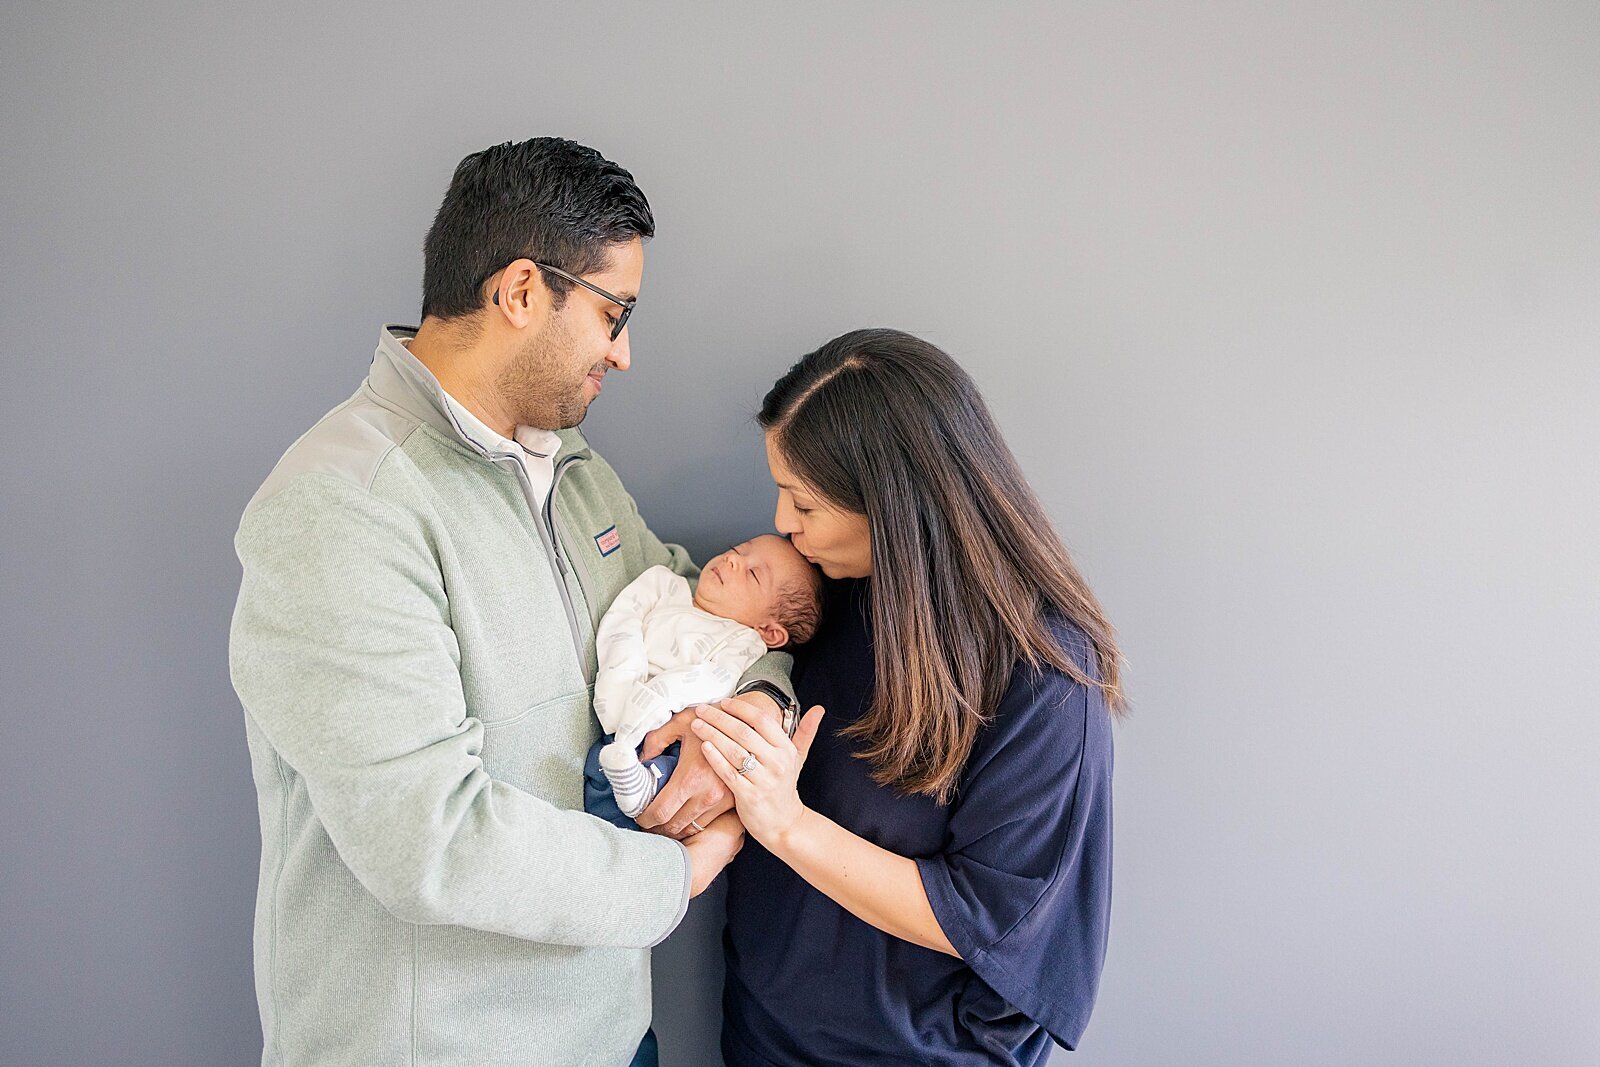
536,384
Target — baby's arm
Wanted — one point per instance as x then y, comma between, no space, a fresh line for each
715,678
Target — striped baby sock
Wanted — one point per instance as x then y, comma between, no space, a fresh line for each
633,784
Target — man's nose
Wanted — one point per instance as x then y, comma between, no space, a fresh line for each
619,356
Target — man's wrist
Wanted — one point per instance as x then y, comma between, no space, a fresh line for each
760,699
787,707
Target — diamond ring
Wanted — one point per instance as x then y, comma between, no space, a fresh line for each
747,764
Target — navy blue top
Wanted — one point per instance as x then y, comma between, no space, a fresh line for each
1017,868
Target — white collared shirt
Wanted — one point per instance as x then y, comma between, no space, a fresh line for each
535,448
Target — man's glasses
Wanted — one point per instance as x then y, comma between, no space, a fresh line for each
625,305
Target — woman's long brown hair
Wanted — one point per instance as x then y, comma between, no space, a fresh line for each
965,563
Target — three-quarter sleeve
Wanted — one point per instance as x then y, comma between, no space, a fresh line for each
1022,887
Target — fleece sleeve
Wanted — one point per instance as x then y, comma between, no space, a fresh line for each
343,654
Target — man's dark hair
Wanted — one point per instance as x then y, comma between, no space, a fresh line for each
550,200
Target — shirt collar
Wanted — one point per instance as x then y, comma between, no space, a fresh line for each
400,381
543,444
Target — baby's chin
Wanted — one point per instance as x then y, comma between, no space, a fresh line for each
710,605
733,612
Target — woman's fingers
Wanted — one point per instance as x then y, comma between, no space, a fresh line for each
730,749
724,769
734,728
757,718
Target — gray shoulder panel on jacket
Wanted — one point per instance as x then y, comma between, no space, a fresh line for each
348,443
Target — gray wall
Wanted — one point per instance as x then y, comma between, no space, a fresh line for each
1289,310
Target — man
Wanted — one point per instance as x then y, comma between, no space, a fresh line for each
414,649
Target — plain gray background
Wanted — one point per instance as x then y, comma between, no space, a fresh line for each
1289,311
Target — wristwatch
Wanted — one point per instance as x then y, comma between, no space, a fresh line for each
788,706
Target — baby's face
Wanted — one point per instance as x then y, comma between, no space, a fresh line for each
744,582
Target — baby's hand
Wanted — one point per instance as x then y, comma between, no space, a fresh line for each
664,736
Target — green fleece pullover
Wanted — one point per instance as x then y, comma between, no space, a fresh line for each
414,649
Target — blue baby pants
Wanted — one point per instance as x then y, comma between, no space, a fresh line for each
597,796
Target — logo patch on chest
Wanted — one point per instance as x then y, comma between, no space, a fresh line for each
608,541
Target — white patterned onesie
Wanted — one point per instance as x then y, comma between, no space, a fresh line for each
659,654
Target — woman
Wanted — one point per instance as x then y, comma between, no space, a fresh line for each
930,872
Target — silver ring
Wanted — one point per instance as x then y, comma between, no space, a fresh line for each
748,764
697,827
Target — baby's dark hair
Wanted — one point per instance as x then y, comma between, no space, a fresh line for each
799,606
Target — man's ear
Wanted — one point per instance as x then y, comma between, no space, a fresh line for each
520,295
775,634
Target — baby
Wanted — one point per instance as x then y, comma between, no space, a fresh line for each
662,649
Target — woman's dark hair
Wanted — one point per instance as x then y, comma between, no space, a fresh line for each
966,565
549,200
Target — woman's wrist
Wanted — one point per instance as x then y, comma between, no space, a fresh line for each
791,841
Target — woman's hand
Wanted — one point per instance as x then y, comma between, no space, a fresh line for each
712,849
758,763
873,884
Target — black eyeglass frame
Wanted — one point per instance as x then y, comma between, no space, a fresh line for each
625,305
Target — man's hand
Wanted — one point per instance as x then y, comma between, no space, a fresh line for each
712,849
694,793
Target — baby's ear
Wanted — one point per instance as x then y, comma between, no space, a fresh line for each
774,633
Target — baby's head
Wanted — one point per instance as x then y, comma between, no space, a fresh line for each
766,584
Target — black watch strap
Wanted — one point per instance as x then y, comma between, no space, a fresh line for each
788,706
